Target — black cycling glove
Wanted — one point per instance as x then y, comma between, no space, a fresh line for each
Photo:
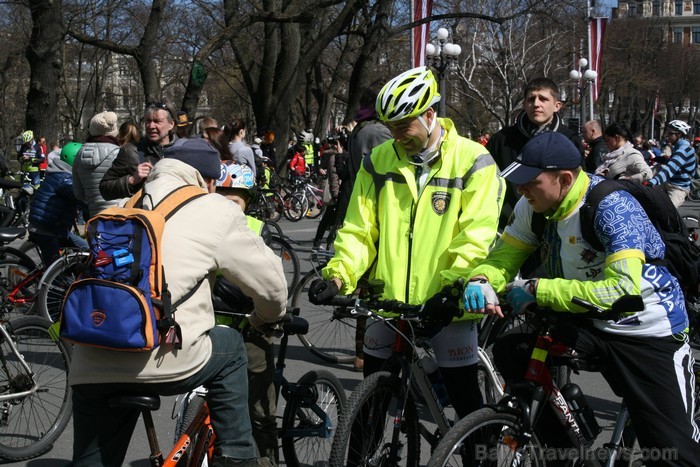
439,310
322,291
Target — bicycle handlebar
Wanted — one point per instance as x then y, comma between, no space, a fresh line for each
363,307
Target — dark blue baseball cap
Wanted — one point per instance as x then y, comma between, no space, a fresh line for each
549,150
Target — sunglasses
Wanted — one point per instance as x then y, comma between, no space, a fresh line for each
162,106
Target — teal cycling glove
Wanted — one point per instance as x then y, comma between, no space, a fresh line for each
478,294
521,295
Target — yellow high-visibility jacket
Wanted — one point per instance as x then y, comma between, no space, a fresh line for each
421,242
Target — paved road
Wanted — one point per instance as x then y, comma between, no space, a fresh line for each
300,360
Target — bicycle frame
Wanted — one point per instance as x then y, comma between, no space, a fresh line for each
539,387
410,369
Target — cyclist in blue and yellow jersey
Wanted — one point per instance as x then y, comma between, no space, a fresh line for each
645,354
423,212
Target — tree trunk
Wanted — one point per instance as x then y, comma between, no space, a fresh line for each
46,63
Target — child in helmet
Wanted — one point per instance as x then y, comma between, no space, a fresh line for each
235,183
54,208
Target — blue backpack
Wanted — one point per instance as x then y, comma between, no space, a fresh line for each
121,301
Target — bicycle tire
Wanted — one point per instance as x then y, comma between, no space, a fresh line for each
193,408
484,429
55,282
330,338
295,207
693,226
366,425
32,424
274,228
32,251
330,397
17,254
290,260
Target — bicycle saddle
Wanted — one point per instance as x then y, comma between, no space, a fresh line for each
137,401
10,234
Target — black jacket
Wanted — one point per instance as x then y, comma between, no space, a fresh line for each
505,146
595,157
115,183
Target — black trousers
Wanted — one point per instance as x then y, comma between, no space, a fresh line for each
653,375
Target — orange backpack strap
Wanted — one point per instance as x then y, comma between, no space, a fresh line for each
177,198
135,200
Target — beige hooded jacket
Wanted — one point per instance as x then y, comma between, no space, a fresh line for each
207,235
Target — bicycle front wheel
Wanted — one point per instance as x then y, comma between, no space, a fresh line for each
368,432
295,207
486,437
30,424
55,282
325,393
330,337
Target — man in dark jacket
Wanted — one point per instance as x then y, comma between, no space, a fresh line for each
368,133
131,167
54,208
540,106
593,136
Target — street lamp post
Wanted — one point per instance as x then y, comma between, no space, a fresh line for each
442,56
584,77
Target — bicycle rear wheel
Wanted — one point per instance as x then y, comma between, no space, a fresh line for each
324,392
295,207
55,282
290,260
30,424
486,437
330,337
366,427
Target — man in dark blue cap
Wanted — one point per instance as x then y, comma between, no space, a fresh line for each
647,356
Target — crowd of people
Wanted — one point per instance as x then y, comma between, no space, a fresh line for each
417,206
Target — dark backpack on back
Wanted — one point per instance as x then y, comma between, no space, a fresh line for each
682,256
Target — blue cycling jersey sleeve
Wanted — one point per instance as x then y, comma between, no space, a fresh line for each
621,224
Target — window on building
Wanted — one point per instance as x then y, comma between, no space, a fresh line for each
656,8
695,35
632,9
696,7
678,35
679,7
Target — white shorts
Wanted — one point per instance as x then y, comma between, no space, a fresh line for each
454,346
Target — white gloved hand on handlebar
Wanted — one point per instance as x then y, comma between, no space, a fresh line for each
477,295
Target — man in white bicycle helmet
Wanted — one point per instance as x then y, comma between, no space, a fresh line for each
676,175
423,212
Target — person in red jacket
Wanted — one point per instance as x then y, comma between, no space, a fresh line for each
297,165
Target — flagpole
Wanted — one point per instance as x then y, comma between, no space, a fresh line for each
413,34
590,57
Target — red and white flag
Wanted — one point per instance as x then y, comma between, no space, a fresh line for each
421,34
597,36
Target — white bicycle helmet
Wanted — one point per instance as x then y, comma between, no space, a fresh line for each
235,176
306,136
679,126
408,95
27,136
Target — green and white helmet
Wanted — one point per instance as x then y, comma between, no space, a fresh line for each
408,95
